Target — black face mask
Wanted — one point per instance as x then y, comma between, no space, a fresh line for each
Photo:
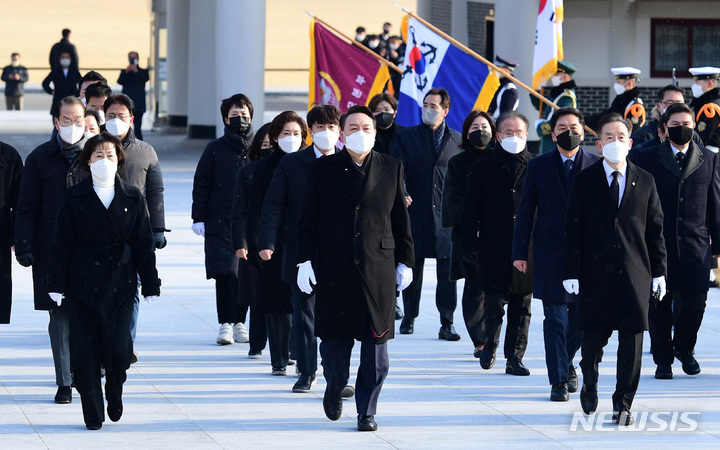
265,151
479,138
133,61
239,124
384,120
680,135
568,140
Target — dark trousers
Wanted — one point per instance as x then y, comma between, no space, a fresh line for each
682,310
137,128
279,328
226,300
14,102
562,338
59,331
473,306
257,331
303,328
374,366
445,292
88,385
629,361
516,333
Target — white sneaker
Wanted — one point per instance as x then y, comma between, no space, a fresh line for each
225,337
240,334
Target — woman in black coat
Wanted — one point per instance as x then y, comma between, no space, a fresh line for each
248,272
11,167
287,134
477,134
213,191
384,108
102,241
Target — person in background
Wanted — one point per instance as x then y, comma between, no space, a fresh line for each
95,96
10,178
92,126
667,96
133,80
560,89
627,102
707,104
15,76
386,33
361,35
506,97
88,79
64,46
377,45
64,79
396,55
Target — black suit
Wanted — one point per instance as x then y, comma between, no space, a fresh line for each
690,198
63,85
11,168
614,252
355,229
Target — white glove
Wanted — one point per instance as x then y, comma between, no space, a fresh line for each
403,277
572,286
56,297
199,228
151,298
659,284
306,276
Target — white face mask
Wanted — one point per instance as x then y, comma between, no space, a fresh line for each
65,62
103,169
697,90
325,140
556,80
430,116
615,152
101,113
360,142
72,134
513,144
290,144
117,127
84,102
90,134
619,88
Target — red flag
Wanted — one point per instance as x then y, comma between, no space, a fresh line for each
340,73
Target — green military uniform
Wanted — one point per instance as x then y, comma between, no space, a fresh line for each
563,96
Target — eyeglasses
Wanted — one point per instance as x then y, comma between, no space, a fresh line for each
68,122
508,134
671,102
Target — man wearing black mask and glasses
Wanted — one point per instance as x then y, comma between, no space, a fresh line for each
686,176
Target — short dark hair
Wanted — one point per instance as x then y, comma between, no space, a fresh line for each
474,114
610,118
131,52
15,54
566,112
677,108
444,96
278,123
71,100
90,112
511,115
669,87
357,109
360,29
65,32
98,90
121,99
324,114
238,100
254,151
93,76
96,141
383,97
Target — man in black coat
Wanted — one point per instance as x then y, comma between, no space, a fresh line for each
667,96
64,78
614,258
64,46
49,170
494,187
15,75
356,246
541,221
424,151
688,184
133,80
213,191
281,209
11,168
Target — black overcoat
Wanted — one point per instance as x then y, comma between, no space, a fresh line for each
424,177
690,202
133,85
96,255
63,86
213,192
355,234
614,252
11,167
247,272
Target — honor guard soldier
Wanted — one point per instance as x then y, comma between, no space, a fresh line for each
627,102
707,105
562,93
506,97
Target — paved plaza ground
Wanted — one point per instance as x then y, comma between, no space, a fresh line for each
187,392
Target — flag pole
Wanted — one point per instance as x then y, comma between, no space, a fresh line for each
355,43
479,57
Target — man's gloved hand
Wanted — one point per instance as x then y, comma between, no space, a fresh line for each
403,277
25,259
199,228
159,240
306,277
56,297
572,286
658,284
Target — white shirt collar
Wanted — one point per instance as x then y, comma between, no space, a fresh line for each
609,170
676,150
318,153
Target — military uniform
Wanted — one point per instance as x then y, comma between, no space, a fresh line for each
506,97
707,108
628,103
562,95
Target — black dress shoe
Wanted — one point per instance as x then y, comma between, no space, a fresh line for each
559,393
115,411
304,383
588,399
478,350
133,358
515,366
348,392
689,364
366,423
407,326
448,333
63,395
664,372
332,404
487,356
572,384
398,312
93,426
622,417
